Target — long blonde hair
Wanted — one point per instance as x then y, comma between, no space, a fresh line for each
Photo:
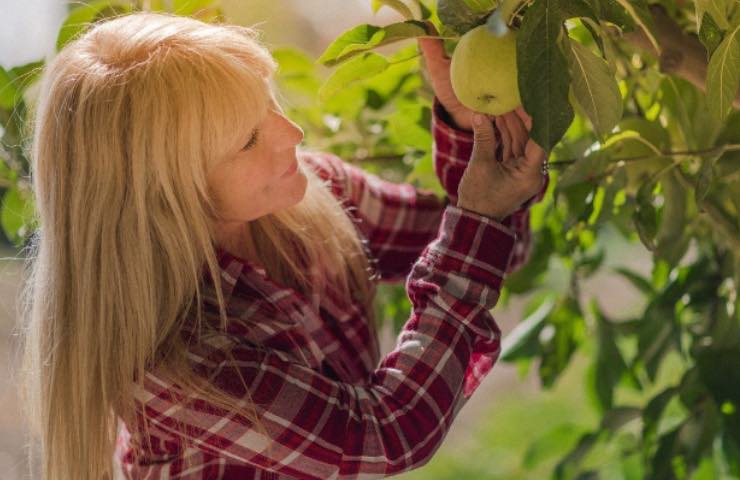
129,119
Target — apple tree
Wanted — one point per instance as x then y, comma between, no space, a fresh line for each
636,104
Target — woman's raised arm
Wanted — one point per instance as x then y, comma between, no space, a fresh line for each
322,428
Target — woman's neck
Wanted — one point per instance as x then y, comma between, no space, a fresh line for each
235,238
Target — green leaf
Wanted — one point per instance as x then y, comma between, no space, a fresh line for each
645,215
481,6
719,10
507,8
594,87
6,172
719,372
636,130
396,5
723,75
681,448
731,450
26,75
544,81
710,34
9,93
617,417
16,216
655,337
589,168
688,112
422,176
402,77
391,304
292,61
355,70
568,465
652,412
81,17
456,15
347,103
550,444
566,332
669,238
586,265
367,37
638,10
522,341
586,31
612,12
661,462
637,280
706,177
609,363
411,126
296,72
531,274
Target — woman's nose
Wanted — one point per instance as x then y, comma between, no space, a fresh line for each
294,133
298,131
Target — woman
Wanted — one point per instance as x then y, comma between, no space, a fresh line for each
198,303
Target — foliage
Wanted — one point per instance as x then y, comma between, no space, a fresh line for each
631,148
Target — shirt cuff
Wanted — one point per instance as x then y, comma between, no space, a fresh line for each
472,245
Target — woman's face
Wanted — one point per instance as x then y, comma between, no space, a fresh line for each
263,176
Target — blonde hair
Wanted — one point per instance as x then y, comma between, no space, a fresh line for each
130,117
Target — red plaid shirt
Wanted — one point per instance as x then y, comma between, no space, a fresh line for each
333,408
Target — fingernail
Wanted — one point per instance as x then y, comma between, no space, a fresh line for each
477,119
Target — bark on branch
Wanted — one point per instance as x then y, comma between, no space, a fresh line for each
682,53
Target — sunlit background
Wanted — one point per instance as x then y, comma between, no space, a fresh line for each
490,437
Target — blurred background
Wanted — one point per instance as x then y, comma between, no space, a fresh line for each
492,435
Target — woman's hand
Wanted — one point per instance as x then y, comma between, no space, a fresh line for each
438,66
514,128
496,187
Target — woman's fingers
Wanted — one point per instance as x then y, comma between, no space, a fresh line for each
434,52
534,155
518,131
524,117
484,139
505,137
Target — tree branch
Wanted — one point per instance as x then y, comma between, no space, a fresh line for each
683,54
716,150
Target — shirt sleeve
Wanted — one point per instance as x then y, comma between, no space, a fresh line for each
452,150
398,220
322,428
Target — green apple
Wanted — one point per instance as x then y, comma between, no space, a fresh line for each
483,71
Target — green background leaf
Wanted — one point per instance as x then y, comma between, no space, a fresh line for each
723,74
595,88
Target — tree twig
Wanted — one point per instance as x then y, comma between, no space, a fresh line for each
717,150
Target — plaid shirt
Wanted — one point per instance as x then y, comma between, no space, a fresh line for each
333,408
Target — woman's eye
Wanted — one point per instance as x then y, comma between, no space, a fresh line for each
252,141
